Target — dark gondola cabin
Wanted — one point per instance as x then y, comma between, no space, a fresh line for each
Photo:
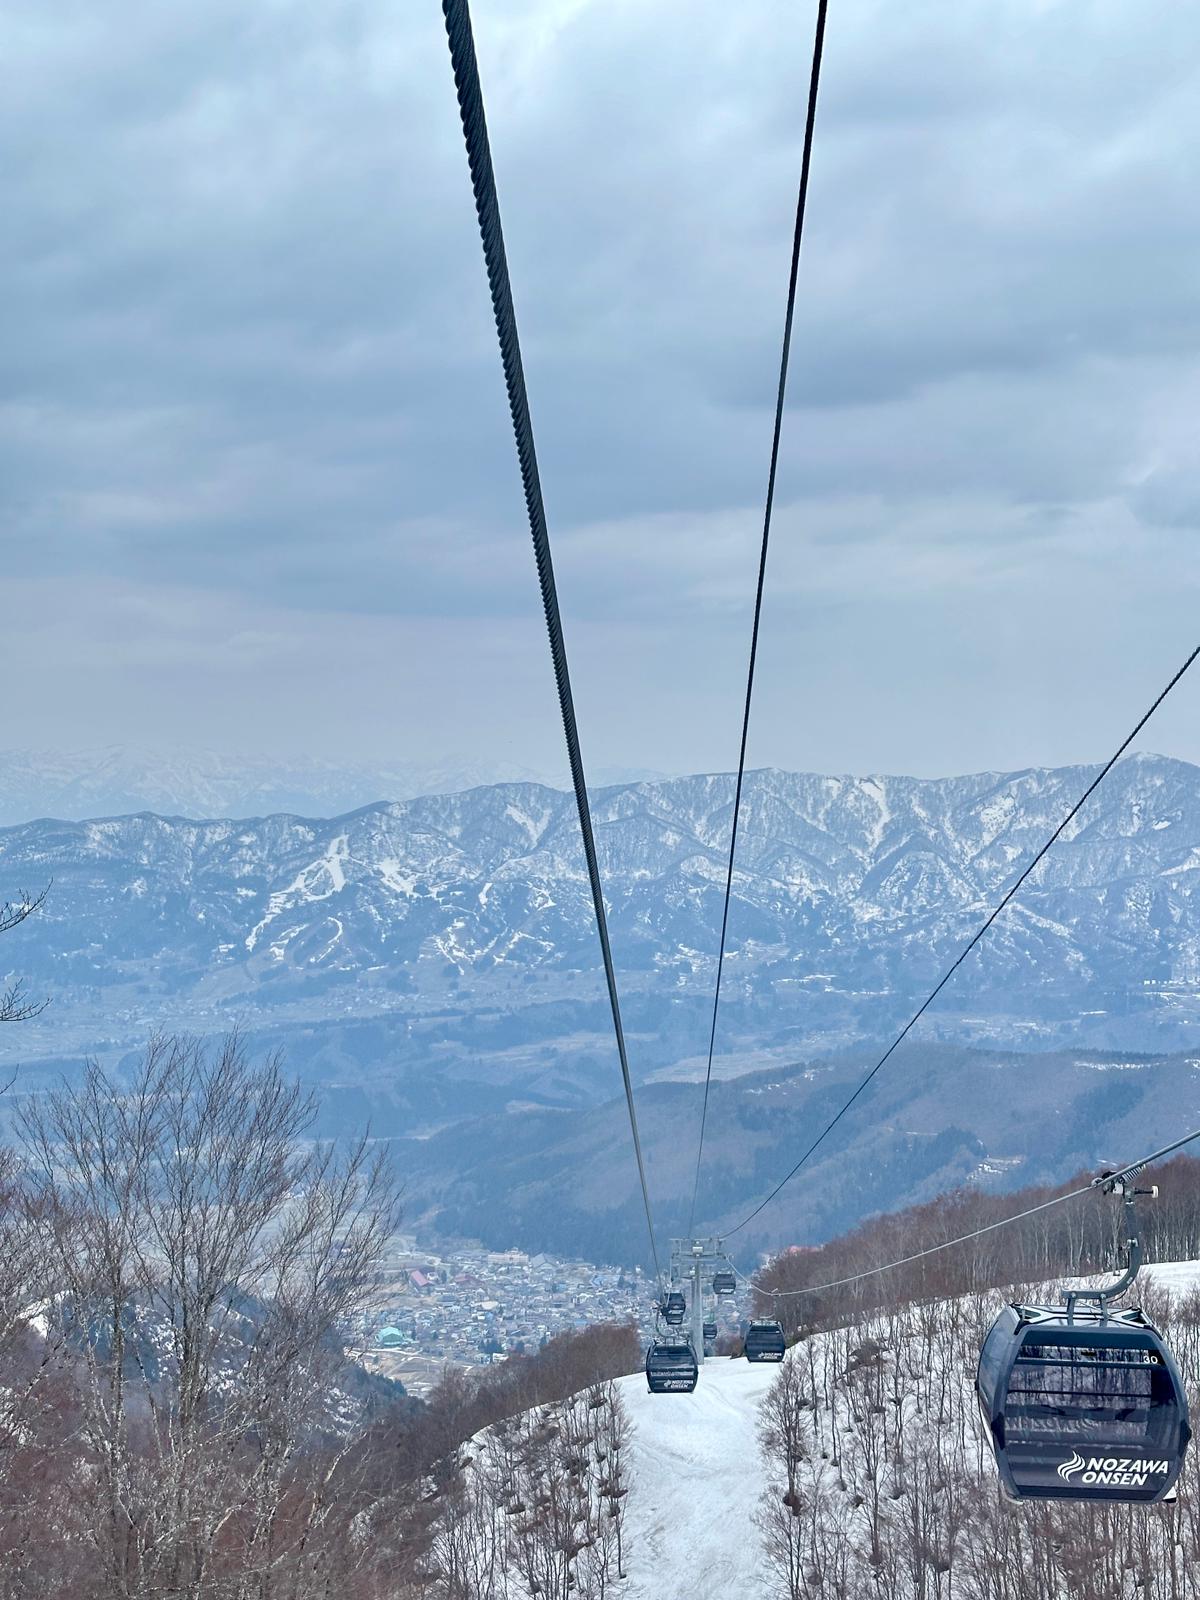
724,1283
1085,1405
674,1308
671,1367
765,1342
710,1332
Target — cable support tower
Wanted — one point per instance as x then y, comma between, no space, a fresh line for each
972,942
696,1262
1110,1182
487,206
798,234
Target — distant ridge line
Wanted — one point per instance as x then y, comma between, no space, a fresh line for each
33,789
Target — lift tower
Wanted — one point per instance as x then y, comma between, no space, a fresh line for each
694,1261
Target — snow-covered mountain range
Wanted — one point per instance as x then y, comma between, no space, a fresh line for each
435,959
851,896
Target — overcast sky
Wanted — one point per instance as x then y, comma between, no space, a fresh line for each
257,478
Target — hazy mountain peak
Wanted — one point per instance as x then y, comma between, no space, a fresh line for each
116,780
119,779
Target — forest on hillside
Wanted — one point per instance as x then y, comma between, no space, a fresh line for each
1077,1229
881,1478
881,1484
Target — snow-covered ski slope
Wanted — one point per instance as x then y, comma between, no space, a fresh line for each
1177,1277
699,1477
697,1481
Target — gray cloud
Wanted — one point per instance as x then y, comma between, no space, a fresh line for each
254,453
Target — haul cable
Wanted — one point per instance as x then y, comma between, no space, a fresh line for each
798,233
973,941
1122,1174
487,206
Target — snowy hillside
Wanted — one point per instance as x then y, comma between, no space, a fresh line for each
898,1481
698,1478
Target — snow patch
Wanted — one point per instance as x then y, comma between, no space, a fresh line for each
395,878
322,954
996,816
1114,1066
318,881
874,790
531,826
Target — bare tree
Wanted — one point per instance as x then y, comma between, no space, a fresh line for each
535,1503
183,1262
785,1427
14,1007
613,1434
205,1258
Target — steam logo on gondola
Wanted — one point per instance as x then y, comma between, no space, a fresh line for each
1126,1472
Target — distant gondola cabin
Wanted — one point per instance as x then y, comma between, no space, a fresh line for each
671,1366
765,1341
674,1308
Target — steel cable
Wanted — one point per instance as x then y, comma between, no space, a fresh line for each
487,206
798,233
1131,1171
973,941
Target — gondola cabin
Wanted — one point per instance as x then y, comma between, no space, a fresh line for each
710,1332
674,1308
724,1283
765,1342
671,1367
1082,1405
